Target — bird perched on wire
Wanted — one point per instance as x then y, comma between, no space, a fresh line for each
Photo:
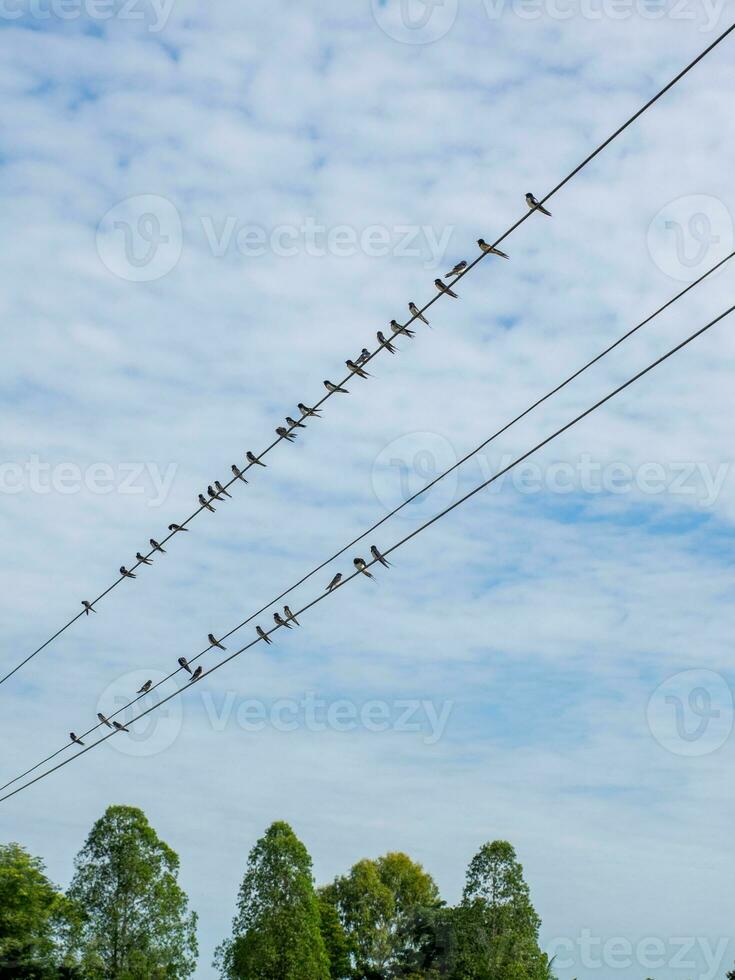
74,738
88,607
213,493
293,424
364,356
306,411
378,557
205,503
361,565
214,642
415,311
356,369
222,489
535,205
142,559
145,688
118,727
104,720
443,288
385,343
183,662
280,621
125,573
397,328
176,528
335,582
262,634
283,432
490,249
290,615
156,546
197,674
238,473
253,459
458,269
334,389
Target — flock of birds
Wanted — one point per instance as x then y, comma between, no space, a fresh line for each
218,492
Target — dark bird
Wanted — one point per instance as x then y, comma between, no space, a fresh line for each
457,270
535,205
197,674
293,424
118,727
335,388
215,643
222,489
252,458
290,615
490,249
183,662
361,566
177,527
356,369
238,473
283,432
335,582
305,410
364,356
213,493
397,328
385,343
205,503
74,738
142,559
145,688
378,557
103,719
281,621
125,573
262,634
156,546
417,313
88,607
443,288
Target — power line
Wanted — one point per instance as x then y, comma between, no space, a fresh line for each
402,541
392,513
414,317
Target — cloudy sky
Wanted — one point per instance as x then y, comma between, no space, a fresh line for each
208,208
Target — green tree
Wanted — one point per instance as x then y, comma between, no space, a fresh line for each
276,932
335,940
377,902
133,918
31,910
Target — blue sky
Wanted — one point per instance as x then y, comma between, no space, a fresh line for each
206,212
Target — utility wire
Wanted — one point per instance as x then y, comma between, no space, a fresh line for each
414,317
437,517
392,513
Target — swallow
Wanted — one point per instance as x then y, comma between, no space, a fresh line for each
262,634
103,719
457,270
222,489
183,662
443,288
145,688
120,728
535,205
213,493
215,643
290,615
143,560
305,410
415,311
364,356
385,343
125,573
74,738
197,674
205,503
283,432
175,528
156,546
293,424
490,249
88,607
356,369
361,566
378,557
335,388
397,328
238,473
335,582
281,621
252,458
